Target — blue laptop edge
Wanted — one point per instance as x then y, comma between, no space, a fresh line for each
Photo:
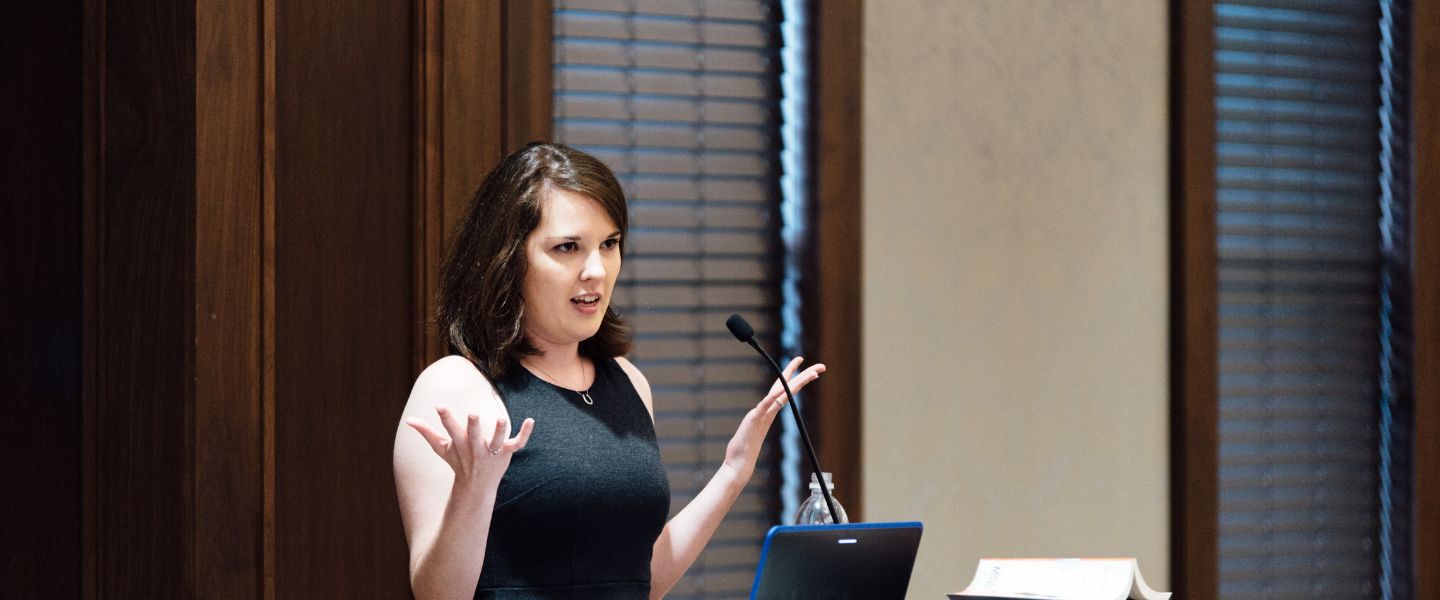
780,529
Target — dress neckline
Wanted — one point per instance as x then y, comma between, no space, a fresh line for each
585,394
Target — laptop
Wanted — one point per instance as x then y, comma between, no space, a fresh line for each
870,561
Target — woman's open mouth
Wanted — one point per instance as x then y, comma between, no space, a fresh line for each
586,303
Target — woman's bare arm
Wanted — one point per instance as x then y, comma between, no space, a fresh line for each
687,533
446,477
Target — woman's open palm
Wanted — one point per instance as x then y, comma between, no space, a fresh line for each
744,447
474,456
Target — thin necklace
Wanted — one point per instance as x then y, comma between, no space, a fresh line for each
584,394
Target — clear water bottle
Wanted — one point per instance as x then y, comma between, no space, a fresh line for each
813,511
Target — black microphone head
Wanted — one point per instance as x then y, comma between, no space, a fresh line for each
740,328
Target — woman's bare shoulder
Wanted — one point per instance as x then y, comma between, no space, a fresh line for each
450,381
451,369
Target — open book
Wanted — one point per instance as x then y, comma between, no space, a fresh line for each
1059,579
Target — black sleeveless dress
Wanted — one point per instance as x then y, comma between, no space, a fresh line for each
579,509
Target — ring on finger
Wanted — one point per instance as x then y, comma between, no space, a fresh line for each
494,451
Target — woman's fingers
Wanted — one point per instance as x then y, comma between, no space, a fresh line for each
473,434
447,419
777,392
773,410
806,376
497,438
776,388
437,442
518,442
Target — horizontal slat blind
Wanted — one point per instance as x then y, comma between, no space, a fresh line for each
680,99
1397,385
1297,166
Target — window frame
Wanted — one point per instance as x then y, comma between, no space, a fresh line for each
832,290
1194,347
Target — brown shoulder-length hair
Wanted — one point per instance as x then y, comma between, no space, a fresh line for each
481,309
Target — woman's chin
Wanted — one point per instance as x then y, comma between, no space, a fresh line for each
585,331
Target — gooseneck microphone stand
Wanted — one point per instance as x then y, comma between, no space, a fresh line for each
742,331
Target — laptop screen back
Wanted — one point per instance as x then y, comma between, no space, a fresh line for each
872,561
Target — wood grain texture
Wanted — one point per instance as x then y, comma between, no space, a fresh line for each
41,318
527,111
483,89
343,347
471,129
1194,392
267,290
225,196
144,231
228,456
833,298
429,203
1425,107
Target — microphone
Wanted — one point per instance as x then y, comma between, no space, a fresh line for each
742,331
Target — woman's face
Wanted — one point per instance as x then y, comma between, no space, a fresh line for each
573,261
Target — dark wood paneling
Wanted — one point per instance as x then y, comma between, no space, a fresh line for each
471,126
144,217
429,183
1425,98
228,455
463,134
344,168
528,47
1194,344
483,90
41,359
832,299
267,288
92,65
214,220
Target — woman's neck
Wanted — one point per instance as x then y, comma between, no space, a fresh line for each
555,357
562,366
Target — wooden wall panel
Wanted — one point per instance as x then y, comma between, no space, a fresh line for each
429,345
1425,107
527,32
344,171
1194,391
833,299
143,214
229,224
471,96
485,90
41,287
228,450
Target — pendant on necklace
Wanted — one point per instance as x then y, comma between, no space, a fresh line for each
585,395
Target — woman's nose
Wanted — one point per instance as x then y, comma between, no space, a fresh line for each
594,266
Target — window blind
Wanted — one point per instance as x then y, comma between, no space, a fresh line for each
1396,306
681,99
1297,170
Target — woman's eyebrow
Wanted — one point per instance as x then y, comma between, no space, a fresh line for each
576,238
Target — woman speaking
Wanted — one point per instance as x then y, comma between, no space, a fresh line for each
573,503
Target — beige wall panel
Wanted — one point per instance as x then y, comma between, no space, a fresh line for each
1015,280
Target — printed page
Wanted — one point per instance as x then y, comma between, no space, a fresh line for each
1053,579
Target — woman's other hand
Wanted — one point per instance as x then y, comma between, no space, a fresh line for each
476,457
744,447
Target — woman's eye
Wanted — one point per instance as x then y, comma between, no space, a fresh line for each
610,243
566,247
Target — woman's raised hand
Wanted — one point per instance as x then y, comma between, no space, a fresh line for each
474,456
744,447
